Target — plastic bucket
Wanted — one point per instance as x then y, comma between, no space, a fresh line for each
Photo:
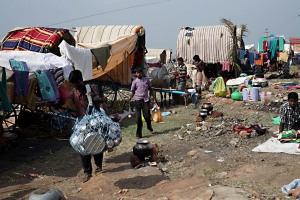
265,97
251,94
245,93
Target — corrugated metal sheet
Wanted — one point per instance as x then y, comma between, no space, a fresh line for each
96,34
211,43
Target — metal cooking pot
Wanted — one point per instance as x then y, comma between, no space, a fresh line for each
142,149
207,106
256,84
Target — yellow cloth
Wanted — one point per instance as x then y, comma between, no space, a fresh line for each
283,56
219,87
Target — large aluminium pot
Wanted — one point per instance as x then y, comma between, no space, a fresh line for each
208,106
143,149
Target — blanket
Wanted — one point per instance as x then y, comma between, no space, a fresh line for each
38,39
273,145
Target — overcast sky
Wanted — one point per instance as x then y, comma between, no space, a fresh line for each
162,19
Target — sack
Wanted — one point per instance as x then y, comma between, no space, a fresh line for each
94,133
156,114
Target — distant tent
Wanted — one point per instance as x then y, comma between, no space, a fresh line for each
211,43
37,39
155,55
113,48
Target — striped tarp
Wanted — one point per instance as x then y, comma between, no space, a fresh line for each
122,41
37,39
211,43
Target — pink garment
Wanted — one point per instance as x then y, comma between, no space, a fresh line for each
226,66
199,78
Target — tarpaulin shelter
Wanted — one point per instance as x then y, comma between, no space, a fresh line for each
113,48
295,42
37,39
211,43
155,55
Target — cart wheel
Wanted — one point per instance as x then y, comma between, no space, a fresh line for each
9,122
109,90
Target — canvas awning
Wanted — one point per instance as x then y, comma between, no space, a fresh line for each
113,47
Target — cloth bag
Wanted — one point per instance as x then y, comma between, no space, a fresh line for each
95,132
156,114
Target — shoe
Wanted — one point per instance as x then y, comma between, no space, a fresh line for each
150,129
138,135
98,170
86,177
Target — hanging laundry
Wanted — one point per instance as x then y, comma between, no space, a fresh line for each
21,72
251,58
242,54
81,58
58,74
48,90
5,104
273,48
18,65
226,66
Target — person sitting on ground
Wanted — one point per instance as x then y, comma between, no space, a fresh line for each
289,113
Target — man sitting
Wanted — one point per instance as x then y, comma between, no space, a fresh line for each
289,113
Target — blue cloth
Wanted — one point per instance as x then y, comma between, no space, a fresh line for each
293,185
165,113
251,58
242,54
46,88
273,47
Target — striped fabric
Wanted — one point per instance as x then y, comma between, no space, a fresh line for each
37,39
211,43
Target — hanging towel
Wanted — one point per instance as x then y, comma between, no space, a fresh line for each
273,47
81,58
19,65
46,89
226,66
58,74
21,72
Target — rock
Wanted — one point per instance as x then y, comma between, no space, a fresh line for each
216,114
193,152
198,119
219,132
234,141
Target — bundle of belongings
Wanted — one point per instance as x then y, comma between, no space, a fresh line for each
291,136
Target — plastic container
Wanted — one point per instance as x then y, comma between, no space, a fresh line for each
251,94
265,97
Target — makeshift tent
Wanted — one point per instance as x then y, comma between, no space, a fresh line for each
155,55
295,42
113,47
37,39
211,43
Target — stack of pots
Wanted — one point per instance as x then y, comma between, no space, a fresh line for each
206,109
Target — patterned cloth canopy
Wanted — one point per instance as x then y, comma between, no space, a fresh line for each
37,39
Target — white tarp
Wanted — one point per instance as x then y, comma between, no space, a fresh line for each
273,145
36,61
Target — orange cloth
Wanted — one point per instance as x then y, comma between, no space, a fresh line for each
260,61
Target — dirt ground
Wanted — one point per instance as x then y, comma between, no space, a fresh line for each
211,163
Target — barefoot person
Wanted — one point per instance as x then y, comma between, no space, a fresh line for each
289,113
79,97
140,88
